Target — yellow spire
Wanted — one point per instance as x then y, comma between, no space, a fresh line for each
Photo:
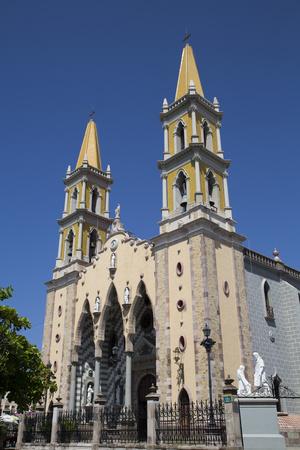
188,71
90,149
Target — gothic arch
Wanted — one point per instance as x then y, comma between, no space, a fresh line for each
140,292
111,293
212,189
181,190
78,334
180,136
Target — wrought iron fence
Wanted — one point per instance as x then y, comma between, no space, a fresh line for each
192,423
11,435
75,426
118,424
37,427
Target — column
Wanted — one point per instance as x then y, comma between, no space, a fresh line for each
195,137
152,402
107,204
166,142
58,259
79,245
66,202
97,376
128,379
228,211
218,135
57,407
21,430
83,194
73,386
198,193
164,210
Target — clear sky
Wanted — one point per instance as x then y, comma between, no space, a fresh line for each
62,59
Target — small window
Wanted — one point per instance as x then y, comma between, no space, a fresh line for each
93,244
70,242
269,309
59,311
179,269
94,200
74,200
205,133
180,305
182,343
180,144
181,192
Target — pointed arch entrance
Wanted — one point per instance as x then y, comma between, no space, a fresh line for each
112,373
86,353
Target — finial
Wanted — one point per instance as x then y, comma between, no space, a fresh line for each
165,107
68,171
192,88
186,37
216,104
276,255
108,170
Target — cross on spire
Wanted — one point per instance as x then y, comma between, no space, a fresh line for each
91,114
186,37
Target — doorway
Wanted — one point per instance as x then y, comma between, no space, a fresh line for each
143,390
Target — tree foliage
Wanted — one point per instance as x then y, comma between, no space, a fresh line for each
22,371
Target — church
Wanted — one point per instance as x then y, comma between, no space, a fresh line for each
123,313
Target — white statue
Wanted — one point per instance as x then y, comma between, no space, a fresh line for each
244,385
260,378
113,260
126,295
117,211
97,304
89,396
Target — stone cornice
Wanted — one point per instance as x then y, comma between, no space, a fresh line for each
196,227
191,152
65,280
266,262
90,174
84,215
185,102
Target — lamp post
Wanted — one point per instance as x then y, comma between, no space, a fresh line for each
208,343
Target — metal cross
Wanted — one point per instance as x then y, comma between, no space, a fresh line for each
91,114
186,36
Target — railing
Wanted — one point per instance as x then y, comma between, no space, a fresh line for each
11,435
193,423
37,427
118,425
75,426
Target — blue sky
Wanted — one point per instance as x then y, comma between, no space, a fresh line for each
62,59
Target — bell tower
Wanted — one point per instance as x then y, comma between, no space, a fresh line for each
193,169
85,219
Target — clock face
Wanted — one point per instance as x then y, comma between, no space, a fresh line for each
113,245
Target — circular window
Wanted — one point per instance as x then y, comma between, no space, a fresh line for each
179,269
226,288
57,338
59,311
182,344
180,305
55,367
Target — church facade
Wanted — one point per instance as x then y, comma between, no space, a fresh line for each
124,313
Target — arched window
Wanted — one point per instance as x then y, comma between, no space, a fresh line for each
74,200
269,309
69,246
180,142
93,244
181,192
205,133
94,200
213,190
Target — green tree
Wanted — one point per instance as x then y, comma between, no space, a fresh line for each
22,371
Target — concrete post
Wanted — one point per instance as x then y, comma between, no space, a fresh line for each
164,197
65,213
128,379
198,193
195,137
79,253
57,407
166,142
73,385
232,415
97,375
152,401
21,431
228,211
83,194
106,213
99,404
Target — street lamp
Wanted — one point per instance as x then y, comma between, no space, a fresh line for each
208,343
